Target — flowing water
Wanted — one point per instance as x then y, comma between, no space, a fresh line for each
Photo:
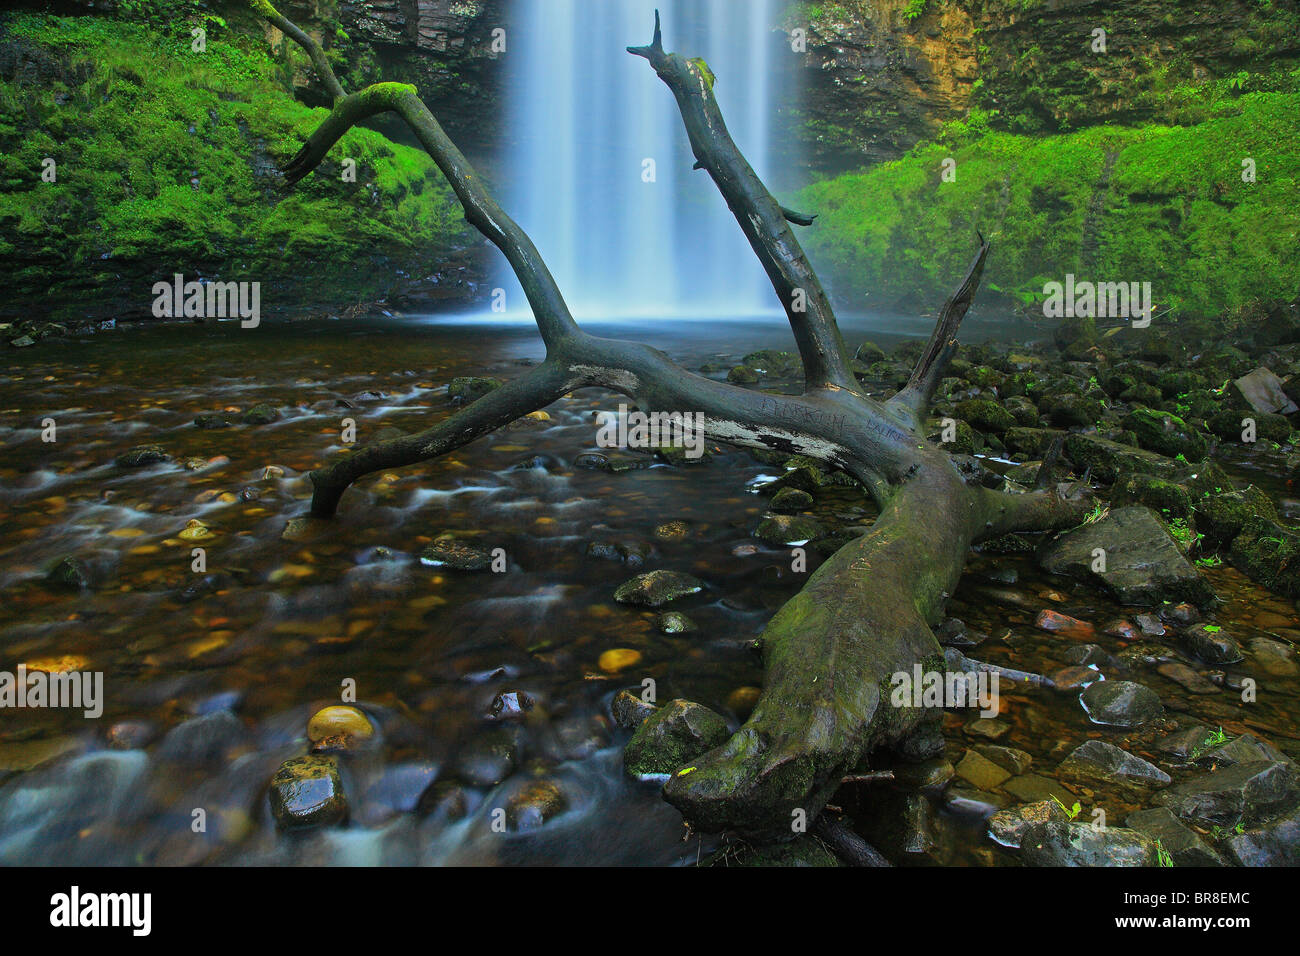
599,167
210,678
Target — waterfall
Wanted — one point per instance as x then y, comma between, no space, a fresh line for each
598,167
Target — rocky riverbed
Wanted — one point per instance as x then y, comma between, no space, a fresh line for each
450,671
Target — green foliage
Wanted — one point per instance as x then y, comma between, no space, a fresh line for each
165,164
1164,204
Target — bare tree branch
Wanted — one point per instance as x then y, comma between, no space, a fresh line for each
761,217
919,391
300,36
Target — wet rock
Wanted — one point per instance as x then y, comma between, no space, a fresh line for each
213,420
805,851
131,734
742,700
1185,742
398,790
869,352
260,414
791,501
1182,614
1077,844
140,456
985,415
1150,625
1243,793
1120,703
786,530
1143,564
469,388
1098,760
1008,758
632,553
629,711
618,659
511,705
1221,514
69,572
1165,434
1109,460
675,622
534,805
1161,496
672,531
1181,843
1186,677
340,727
773,362
955,633
989,728
1243,749
1273,657
447,551
1086,655
1268,553
1275,843
1262,390
742,375
1070,680
980,772
307,792
446,800
488,759
1008,827
1065,625
656,588
203,741
929,777
1070,410
672,736
1212,644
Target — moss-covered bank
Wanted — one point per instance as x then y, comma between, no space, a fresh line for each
165,161
1161,204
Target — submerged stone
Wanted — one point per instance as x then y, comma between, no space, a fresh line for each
307,792
1098,760
672,736
1120,703
656,588
1078,844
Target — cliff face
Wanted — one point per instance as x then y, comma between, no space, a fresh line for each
881,75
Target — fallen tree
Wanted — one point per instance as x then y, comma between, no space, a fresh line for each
866,613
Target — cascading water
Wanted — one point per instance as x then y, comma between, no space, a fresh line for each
599,168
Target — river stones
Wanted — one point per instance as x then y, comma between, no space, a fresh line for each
447,551
1142,563
307,792
340,727
985,415
490,757
673,736
1212,644
785,530
1245,793
742,375
980,772
69,572
790,501
1120,703
535,804
1275,843
1007,827
260,414
511,705
1184,847
675,622
656,588
1165,434
1273,657
140,456
1078,844
203,741
629,711
1109,459
1099,761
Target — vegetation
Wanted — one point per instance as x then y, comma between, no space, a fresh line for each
166,163
1162,204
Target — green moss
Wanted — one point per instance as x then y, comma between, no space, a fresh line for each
1163,204
165,164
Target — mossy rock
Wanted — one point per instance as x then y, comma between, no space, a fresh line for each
742,375
470,388
69,572
986,415
141,456
1072,410
260,414
1108,459
783,530
869,352
448,551
1220,517
964,439
1230,425
1031,441
775,363
656,588
985,377
1166,497
791,501
1074,329
1022,410
1181,382
672,736
1166,434
1142,393
1269,553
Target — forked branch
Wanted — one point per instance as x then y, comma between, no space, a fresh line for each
762,219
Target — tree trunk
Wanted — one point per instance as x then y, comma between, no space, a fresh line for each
867,612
